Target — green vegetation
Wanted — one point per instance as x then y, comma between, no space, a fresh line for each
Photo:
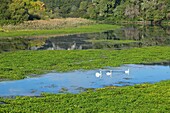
147,11
17,65
153,11
13,44
49,24
152,98
112,41
116,10
113,44
145,98
62,31
14,11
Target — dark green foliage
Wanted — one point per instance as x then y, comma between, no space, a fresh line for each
154,11
144,98
4,13
114,10
4,22
20,10
66,8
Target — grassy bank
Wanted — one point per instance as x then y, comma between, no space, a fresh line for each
62,31
49,24
17,65
145,98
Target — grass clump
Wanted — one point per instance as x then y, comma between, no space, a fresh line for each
2,30
145,98
16,65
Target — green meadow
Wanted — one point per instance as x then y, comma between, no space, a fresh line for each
140,98
18,65
144,98
144,39
62,31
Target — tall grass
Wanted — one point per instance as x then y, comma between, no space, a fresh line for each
49,24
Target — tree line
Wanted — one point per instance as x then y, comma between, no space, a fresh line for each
109,10
14,11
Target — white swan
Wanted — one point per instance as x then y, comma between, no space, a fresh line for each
99,74
127,71
109,73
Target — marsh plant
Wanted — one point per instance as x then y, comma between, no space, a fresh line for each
17,65
55,32
144,98
49,24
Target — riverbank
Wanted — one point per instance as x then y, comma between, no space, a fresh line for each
54,27
141,23
17,65
152,98
49,24
59,32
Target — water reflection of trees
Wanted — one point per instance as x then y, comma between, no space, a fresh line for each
148,35
13,44
143,35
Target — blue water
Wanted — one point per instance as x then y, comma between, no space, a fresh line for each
78,81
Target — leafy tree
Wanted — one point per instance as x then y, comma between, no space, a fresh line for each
36,9
115,10
19,11
92,12
4,13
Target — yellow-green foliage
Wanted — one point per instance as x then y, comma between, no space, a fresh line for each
38,5
145,98
23,10
16,65
72,29
1,30
50,24
37,9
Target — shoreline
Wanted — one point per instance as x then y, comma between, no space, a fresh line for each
63,31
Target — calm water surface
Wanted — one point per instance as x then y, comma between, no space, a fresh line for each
78,81
139,35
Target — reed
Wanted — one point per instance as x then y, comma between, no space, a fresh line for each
49,24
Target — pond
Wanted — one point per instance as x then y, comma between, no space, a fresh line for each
80,80
127,37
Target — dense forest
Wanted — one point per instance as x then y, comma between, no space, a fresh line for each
109,10
14,11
